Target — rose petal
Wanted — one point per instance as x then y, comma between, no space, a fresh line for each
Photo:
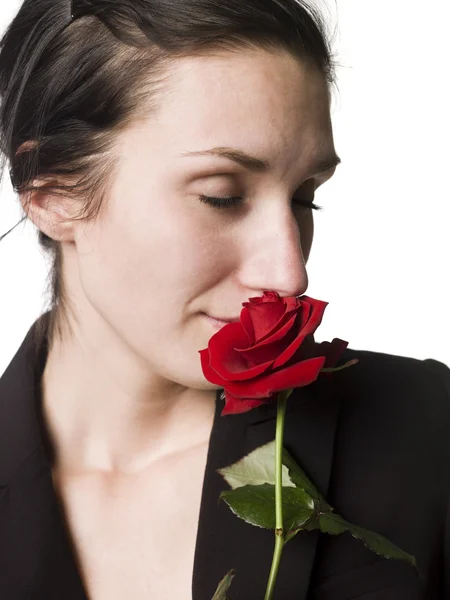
271,348
298,375
234,406
310,328
265,318
332,351
247,325
226,361
209,373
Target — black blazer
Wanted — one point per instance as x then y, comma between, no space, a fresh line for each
375,438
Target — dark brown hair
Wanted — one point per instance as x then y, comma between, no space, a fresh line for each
68,86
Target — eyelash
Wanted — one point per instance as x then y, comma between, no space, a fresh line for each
234,201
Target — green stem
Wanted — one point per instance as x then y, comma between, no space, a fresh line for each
279,533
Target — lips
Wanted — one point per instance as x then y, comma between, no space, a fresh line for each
225,320
222,320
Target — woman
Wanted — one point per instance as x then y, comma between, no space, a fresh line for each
168,154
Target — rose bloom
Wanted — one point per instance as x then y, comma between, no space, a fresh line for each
271,349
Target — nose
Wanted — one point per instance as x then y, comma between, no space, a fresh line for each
276,260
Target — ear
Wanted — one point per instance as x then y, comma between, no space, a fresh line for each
49,212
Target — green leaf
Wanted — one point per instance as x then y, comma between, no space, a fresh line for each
252,498
255,468
255,504
334,524
299,477
222,588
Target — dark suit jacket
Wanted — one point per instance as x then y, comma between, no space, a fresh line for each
375,438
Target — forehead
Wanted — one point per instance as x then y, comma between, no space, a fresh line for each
268,101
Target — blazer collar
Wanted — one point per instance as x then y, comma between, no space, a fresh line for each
37,551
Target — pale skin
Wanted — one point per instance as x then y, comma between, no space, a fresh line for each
125,400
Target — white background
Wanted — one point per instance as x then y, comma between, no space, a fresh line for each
381,249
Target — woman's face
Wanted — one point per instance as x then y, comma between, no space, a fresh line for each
157,258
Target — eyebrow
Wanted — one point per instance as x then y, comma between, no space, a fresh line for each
257,164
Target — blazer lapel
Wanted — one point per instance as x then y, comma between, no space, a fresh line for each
224,540
35,552
38,561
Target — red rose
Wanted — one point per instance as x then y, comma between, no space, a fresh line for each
271,349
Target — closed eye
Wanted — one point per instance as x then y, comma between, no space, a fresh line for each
229,202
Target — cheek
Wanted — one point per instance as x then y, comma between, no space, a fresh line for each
171,258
